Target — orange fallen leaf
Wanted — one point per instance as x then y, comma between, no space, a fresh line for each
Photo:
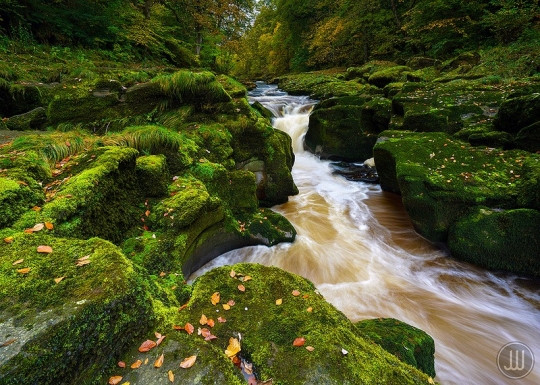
26,270
231,302
59,279
182,307
8,239
300,341
247,278
310,348
171,375
18,261
137,364
147,213
82,262
242,288
279,301
189,328
36,208
211,322
162,274
305,296
233,348
160,340
310,309
38,227
226,306
115,380
296,293
121,364
232,274
207,334
29,231
159,361
147,345
221,320
203,320
44,249
215,298
49,225
146,361
188,362
176,327
157,334
8,342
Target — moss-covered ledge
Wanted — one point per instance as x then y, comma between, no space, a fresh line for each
266,309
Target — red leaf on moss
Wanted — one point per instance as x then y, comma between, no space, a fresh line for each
44,249
159,361
189,328
137,364
242,288
221,320
300,341
211,322
121,364
114,380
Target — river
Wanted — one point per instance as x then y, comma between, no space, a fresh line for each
357,245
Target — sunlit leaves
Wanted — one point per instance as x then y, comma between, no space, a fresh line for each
58,280
121,364
215,298
233,348
242,288
159,362
8,239
83,261
189,328
203,320
188,362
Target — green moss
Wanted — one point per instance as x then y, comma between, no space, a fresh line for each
386,76
500,240
153,175
268,330
62,327
16,197
100,200
409,344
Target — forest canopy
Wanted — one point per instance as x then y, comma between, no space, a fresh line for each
269,37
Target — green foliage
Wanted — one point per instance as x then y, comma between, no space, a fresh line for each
55,146
146,139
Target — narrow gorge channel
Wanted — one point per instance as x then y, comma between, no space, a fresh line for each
356,243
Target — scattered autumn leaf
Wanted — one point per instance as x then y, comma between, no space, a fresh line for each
207,334
171,375
279,301
137,364
147,213
310,348
233,348
29,231
215,298
182,307
176,327
49,225
26,270
147,345
44,249
189,328
305,296
115,380
430,380
296,293
121,364
203,320
231,302
8,239
211,322
188,362
38,227
162,274
18,261
300,341
226,306
160,340
242,288
159,361
8,342
146,361
36,208
157,334
232,274
59,279
221,320
247,278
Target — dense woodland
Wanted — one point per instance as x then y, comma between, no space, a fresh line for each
252,38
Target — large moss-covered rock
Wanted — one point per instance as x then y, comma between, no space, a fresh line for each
528,138
16,99
67,314
517,113
266,330
153,175
346,128
409,344
388,75
99,201
31,120
498,239
440,177
16,197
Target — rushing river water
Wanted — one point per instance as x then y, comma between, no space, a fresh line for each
356,243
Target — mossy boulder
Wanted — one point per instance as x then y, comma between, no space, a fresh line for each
266,331
31,120
153,175
517,113
386,76
346,128
411,345
99,201
16,99
498,239
321,85
16,197
70,313
528,138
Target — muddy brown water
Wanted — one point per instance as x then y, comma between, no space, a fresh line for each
357,245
